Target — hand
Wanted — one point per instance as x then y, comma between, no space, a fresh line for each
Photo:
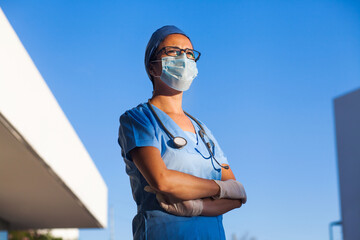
231,189
187,208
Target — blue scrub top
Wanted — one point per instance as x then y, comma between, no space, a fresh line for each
139,128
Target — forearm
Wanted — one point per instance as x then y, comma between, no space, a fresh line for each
184,186
219,206
172,183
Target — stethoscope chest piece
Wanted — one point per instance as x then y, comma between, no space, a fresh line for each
179,142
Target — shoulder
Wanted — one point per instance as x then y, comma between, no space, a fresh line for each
136,129
140,113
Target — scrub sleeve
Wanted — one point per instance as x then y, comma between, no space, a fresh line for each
136,131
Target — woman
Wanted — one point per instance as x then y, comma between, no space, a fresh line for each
179,176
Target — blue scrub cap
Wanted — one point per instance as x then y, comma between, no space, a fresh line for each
156,38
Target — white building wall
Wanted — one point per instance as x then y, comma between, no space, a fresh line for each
64,233
28,104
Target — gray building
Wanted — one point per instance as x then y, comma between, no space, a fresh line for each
347,120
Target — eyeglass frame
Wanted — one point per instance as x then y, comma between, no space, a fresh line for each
181,50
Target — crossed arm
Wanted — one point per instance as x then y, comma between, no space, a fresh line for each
180,185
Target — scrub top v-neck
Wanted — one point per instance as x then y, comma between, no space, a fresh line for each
139,128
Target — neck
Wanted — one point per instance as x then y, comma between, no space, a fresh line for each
168,103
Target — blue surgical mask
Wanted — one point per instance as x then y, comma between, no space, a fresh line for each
178,72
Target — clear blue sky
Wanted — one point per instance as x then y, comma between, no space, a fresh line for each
268,74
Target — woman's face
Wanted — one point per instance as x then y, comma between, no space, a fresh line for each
174,40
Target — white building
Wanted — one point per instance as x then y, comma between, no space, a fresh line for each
47,178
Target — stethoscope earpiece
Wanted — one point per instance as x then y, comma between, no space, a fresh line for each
201,133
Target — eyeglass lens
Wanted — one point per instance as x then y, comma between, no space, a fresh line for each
175,51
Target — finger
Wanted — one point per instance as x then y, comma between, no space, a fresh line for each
149,189
171,208
165,206
160,198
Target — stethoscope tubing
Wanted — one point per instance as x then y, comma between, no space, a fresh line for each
201,133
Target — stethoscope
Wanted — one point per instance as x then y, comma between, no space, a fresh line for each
180,142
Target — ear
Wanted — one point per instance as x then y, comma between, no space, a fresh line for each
151,69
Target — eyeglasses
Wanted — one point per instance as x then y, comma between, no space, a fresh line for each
176,51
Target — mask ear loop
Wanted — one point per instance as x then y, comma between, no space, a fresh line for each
156,61
179,142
